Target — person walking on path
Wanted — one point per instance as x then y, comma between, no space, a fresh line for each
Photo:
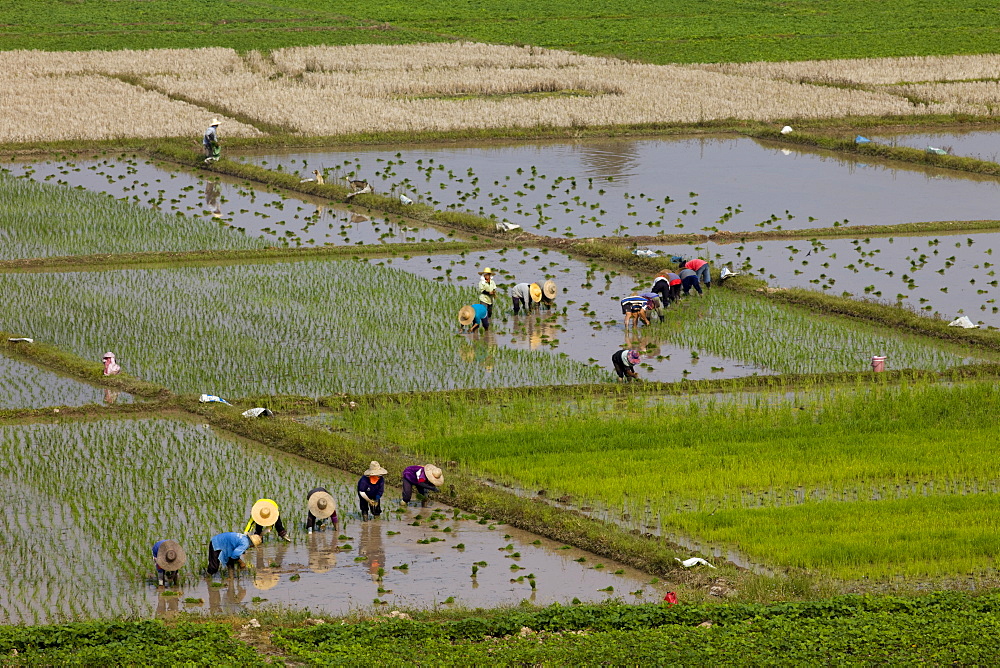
701,268
624,362
523,295
634,309
371,487
225,549
211,142
425,478
320,507
689,279
487,290
474,316
264,513
168,557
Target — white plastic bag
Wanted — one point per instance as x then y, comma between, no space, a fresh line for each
962,322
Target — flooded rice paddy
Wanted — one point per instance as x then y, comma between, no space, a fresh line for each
24,385
978,144
277,218
617,187
81,525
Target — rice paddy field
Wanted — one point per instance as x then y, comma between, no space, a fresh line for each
670,185
24,385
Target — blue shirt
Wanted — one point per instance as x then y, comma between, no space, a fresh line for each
481,313
231,545
375,491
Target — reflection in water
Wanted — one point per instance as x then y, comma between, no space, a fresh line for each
167,607
267,572
537,330
371,547
212,198
227,602
322,551
602,158
481,350
111,396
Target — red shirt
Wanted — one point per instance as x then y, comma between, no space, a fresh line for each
695,264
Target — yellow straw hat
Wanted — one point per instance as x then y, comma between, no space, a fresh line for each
322,505
549,289
487,270
170,556
264,512
434,475
466,315
535,292
265,580
255,540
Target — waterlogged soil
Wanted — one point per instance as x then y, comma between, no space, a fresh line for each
937,275
280,219
618,187
429,565
24,385
978,144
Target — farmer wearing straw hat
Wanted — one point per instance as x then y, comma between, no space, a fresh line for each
225,549
625,361
264,513
425,478
474,316
211,142
371,486
548,293
524,295
168,557
321,506
111,367
487,290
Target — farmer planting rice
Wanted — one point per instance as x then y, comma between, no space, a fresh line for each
487,290
168,557
320,507
523,295
371,487
211,141
663,287
653,303
474,316
227,548
624,362
425,478
634,309
264,513
700,267
689,279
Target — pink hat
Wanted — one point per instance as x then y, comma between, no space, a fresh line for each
633,357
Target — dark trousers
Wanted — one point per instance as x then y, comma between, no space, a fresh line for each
691,282
519,303
279,526
489,311
662,289
375,510
213,560
313,523
424,488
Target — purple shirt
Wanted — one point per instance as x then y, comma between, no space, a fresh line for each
414,474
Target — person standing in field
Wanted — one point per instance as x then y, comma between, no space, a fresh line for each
634,309
425,478
168,557
111,367
487,290
701,268
524,295
624,362
474,316
225,549
264,513
320,506
211,142
371,487
689,279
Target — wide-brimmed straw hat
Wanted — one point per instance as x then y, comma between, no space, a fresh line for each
215,121
549,289
322,505
535,292
264,512
170,556
255,540
487,270
375,469
434,475
265,580
466,315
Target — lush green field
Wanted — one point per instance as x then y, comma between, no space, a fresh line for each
752,475
700,31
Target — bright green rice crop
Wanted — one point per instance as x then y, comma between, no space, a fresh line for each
43,220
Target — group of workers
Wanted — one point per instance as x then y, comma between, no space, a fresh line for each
524,297
668,286
226,549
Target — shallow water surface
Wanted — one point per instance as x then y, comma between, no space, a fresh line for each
25,385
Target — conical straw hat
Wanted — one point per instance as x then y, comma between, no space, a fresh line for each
549,289
322,505
434,475
466,315
376,469
535,292
264,512
170,556
265,580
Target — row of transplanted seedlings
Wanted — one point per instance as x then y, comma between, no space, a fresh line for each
213,206
42,220
86,500
27,386
945,274
311,328
608,188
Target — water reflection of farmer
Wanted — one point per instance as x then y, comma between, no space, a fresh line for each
267,572
212,199
371,547
235,593
322,555
167,607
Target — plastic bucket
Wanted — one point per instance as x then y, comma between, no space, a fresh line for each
878,364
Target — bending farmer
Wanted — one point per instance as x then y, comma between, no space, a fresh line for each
265,514
321,506
426,479
225,549
169,557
